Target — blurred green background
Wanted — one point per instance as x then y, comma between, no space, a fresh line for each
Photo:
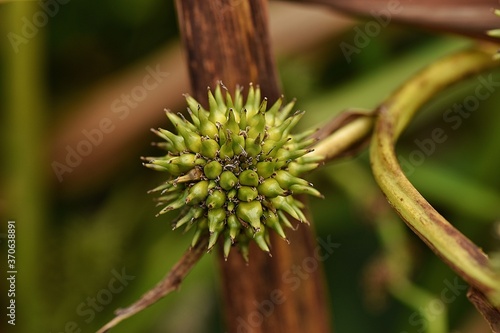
78,231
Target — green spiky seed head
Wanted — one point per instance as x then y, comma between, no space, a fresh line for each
234,168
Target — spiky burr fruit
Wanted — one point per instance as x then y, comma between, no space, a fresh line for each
234,168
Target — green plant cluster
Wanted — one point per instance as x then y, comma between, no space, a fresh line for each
234,168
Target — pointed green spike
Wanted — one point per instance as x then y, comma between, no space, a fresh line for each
260,238
273,111
201,228
297,169
194,118
219,98
272,221
227,247
305,189
285,111
217,112
285,179
183,220
180,202
284,219
281,203
176,140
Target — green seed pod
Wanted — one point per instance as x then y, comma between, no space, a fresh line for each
270,148
212,169
232,194
234,227
247,193
216,199
233,169
249,178
231,123
270,188
243,119
217,112
238,145
209,148
228,180
216,219
197,193
257,125
250,212
226,150
265,169
185,162
253,146
207,127
191,139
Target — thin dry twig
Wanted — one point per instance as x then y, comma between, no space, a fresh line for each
170,282
490,313
345,135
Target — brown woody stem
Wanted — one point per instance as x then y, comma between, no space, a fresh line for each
228,40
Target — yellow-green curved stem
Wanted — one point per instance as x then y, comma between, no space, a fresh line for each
393,116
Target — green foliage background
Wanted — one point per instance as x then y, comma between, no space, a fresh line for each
69,242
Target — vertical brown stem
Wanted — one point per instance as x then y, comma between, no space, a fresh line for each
228,40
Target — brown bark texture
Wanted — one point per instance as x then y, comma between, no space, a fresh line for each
228,40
